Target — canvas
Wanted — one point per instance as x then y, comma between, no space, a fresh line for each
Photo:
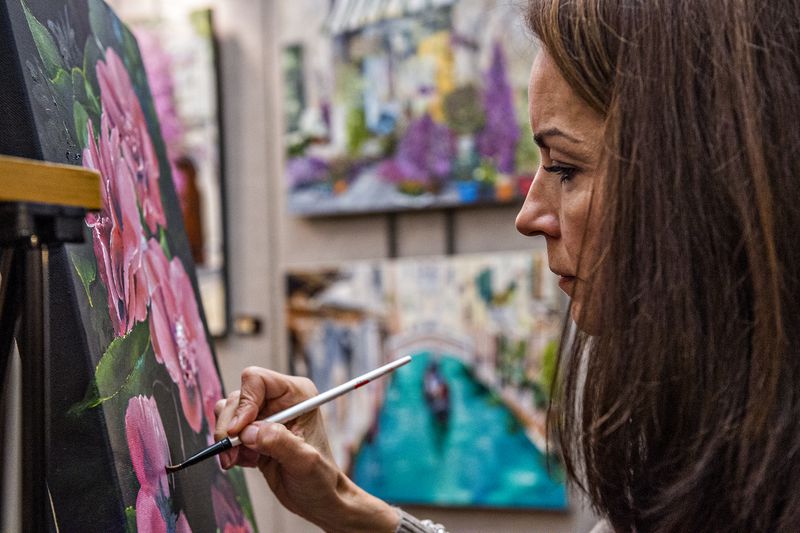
133,379
463,423
408,105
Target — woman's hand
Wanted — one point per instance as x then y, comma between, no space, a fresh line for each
295,459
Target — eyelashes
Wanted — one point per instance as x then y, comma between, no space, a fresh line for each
564,173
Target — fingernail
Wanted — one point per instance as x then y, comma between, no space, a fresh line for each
248,436
224,461
232,424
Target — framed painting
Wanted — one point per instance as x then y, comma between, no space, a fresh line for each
467,414
409,105
132,376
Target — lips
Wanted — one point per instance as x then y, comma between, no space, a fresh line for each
566,283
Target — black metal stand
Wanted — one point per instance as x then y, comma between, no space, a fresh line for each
27,233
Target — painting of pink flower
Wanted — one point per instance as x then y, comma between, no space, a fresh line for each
227,511
121,104
178,336
117,233
147,443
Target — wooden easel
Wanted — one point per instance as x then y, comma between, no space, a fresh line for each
42,206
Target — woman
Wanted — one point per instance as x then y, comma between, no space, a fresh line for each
668,199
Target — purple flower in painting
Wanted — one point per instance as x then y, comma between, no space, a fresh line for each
178,335
227,511
147,443
305,171
498,138
117,232
120,103
425,154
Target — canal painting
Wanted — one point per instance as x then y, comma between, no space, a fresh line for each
463,425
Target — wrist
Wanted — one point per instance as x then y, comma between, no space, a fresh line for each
363,512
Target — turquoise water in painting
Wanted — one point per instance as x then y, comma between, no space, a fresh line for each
481,457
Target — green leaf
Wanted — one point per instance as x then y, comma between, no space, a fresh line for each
91,55
78,85
130,519
162,240
45,44
133,59
81,119
86,268
123,358
62,86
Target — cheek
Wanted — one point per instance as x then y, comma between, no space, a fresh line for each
574,219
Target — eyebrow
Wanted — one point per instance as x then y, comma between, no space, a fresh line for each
539,138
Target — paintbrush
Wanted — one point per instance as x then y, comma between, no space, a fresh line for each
293,412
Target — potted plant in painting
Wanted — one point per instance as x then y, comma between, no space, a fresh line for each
486,177
464,115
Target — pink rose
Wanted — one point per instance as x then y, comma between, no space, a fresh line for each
147,443
179,338
120,103
117,232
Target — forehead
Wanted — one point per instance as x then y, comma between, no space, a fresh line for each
553,104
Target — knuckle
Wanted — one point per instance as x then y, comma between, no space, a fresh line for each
251,372
267,435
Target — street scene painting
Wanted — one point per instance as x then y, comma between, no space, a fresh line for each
462,425
407,105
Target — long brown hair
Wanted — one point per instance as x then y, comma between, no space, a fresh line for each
683,414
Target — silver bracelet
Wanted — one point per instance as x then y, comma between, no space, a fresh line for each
410,524
437,528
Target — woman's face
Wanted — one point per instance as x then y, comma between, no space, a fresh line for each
569,134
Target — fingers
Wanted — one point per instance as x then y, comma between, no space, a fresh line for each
239,456
277,442
224,410
264,391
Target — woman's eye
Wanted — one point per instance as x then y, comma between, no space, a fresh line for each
564,173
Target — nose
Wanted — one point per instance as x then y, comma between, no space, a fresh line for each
539,213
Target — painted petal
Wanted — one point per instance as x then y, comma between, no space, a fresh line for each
117,231
148,515
174,329
147,443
